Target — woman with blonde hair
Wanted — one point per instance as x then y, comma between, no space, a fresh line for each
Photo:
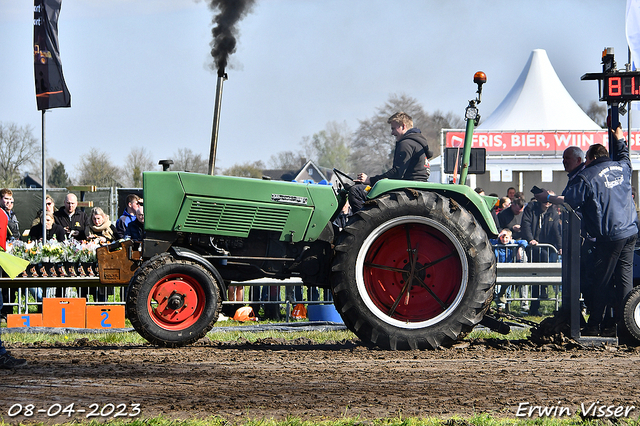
101,227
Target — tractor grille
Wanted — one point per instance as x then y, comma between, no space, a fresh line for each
229,218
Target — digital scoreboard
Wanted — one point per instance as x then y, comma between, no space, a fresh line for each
621,86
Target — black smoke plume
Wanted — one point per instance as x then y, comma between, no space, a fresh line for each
229,13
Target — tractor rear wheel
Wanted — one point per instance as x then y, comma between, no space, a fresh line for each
413,270
173,302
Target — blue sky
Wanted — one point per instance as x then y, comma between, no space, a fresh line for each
138,70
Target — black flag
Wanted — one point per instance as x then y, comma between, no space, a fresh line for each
51,90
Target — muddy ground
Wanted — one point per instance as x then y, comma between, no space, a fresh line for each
276,379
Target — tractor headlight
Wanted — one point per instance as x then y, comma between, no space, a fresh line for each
471,113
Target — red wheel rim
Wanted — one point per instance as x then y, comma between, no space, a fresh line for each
438,272
176,302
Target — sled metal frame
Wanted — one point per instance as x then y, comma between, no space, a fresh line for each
571,278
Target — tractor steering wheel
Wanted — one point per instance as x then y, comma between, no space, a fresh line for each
347,183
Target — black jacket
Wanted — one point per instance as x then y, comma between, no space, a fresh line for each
36,232
506,219
544,227
603,193
135,230
409,159
13,227
78,222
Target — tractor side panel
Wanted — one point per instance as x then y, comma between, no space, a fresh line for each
233,206
236,218
163,196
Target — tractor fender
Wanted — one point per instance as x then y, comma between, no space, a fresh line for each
184,253
478,205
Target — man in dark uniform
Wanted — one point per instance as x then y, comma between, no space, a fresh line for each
602,191
410,160
75,222
573,162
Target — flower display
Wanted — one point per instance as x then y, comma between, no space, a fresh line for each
53,251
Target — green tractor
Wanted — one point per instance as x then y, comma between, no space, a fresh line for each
414,269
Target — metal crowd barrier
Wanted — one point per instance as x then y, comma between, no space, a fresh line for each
528,273
90,286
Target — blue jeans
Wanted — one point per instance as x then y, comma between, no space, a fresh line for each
36,292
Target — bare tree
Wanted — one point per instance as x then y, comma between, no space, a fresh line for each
287,160
597,112
138,161
252,170
331,147
373,145
97,169
18,149
187,160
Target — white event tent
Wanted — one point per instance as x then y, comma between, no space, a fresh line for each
527,133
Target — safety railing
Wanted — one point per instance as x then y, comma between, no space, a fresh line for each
26,292
536,265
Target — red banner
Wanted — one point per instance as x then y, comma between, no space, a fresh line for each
548,143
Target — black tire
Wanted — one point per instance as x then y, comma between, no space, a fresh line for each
372,267
173,302
631,315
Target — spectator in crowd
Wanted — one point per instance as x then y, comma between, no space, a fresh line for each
6,202
511,193
410,160
602,191
13,231
479,191
102,230
53,230
494,209
512,217
266,294
503,203
573,162
50,206
129,213
541,224
271,294
236,294
75,222
135,229
507,250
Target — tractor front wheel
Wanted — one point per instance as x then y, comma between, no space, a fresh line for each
173,302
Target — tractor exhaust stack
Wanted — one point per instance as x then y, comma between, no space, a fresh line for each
222,76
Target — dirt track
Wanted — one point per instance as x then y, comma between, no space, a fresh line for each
276,379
